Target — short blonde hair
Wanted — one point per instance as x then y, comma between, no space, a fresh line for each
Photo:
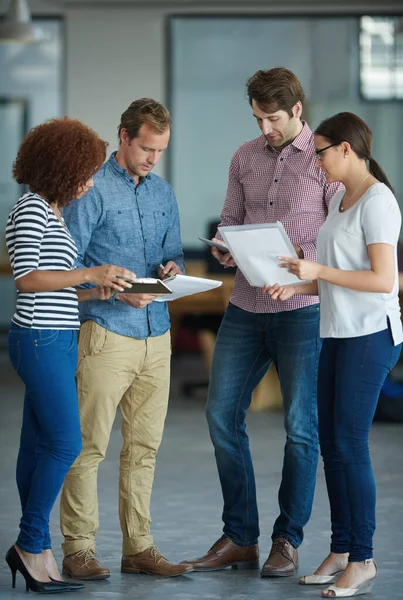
144,111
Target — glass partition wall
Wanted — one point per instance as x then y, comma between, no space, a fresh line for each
31,90
340,69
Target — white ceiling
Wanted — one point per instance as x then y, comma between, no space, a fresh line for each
398,4
243,6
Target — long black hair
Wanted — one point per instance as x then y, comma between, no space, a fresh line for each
348,127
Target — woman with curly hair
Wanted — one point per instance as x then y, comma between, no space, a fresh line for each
57,161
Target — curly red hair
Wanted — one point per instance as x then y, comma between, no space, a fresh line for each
57,157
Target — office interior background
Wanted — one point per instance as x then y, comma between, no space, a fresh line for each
100,55
196,57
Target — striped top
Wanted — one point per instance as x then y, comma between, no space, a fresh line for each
37,240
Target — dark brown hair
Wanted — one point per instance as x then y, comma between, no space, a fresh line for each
275,89
348,127
144,111
57,157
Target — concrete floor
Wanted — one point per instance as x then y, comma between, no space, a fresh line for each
187,505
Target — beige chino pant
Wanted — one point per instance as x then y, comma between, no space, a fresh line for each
114,370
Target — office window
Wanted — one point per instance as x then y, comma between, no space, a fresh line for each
31,90
381,58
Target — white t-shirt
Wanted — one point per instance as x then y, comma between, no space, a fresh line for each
342,244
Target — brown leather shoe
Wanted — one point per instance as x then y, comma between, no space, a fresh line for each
152,562
84,565
224,553
282,561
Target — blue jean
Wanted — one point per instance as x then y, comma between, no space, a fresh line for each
247,343
46,361
351,374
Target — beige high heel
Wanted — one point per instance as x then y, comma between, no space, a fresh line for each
320,579
364,588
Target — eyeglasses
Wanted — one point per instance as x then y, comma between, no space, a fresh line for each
320,150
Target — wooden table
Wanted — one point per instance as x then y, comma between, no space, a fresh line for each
6,270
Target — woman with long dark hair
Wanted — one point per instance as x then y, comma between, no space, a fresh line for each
357,280
56,160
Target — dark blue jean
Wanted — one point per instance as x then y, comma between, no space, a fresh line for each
351,374
246,345
46,361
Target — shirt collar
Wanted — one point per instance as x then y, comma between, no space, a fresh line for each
301,142
120,170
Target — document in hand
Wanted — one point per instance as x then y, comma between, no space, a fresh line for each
256,248
184,285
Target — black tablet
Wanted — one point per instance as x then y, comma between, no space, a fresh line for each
220,245
147,286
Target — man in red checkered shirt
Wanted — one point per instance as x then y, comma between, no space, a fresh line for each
274,177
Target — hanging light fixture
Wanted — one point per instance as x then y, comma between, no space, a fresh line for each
17,25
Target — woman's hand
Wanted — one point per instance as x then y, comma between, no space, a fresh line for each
110,276
102,292
279,292
302,268
96,293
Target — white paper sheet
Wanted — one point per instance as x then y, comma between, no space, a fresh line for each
184,285
256,248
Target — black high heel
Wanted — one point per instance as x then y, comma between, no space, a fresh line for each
15,563
73,585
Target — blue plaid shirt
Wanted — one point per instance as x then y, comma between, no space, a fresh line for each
131,226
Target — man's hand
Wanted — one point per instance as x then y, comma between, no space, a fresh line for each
137,300
280,292
169,270
224,258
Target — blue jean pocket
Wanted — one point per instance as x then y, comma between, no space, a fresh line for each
45,337
314,308
14,352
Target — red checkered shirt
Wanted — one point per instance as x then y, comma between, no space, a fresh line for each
266,186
